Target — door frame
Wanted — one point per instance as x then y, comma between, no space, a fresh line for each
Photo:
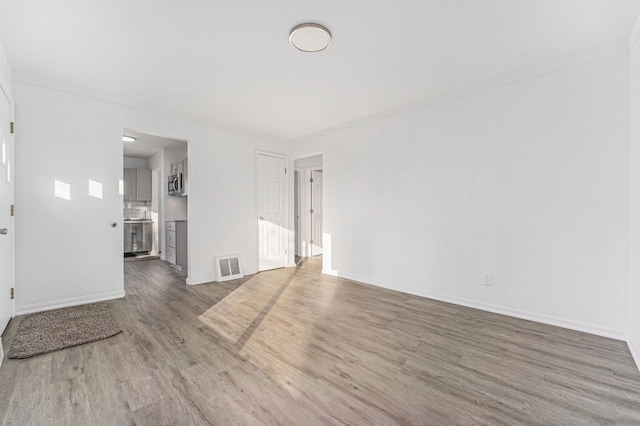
298,202
4,87
310,245
287,206
307,229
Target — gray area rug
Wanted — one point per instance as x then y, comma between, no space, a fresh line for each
62,328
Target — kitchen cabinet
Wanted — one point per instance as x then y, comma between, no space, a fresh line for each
130,184
137,185
143,177
176,242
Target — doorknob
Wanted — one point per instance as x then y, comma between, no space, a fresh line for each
4,231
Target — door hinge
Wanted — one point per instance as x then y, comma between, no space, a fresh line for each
11,127
311,242
311,180
311,211
285,170
12,210
12,294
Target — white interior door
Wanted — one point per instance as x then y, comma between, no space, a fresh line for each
272,224
316,212
6,219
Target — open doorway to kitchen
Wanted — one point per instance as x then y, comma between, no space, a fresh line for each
308,206
155,190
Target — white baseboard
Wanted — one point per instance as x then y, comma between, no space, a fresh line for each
503,310
1,352
331,272
4,325
214,279
64,303
201,280
634,348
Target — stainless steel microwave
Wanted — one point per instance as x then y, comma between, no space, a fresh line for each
174,185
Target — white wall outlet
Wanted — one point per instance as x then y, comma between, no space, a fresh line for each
487,279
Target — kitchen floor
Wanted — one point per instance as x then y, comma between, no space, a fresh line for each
136,257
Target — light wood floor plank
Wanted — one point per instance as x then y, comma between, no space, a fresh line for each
293,347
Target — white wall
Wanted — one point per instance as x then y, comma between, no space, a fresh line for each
222,200
135,163
308,162
156,163
66,251
5,70
528,181
634,301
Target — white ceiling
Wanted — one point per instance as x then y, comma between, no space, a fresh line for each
229,63
147,145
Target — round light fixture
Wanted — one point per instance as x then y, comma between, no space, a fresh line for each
310,38
128,139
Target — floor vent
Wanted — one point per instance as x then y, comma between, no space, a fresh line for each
229,267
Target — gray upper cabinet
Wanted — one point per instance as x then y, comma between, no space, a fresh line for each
130,180
137,184
144,184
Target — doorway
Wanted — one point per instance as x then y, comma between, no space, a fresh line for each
308,206
158,158
316,212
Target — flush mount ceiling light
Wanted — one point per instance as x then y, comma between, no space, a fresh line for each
128,139
310,38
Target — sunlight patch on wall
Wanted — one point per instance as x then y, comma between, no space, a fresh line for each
95,189
62,190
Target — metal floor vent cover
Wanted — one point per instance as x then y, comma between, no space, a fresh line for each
229,267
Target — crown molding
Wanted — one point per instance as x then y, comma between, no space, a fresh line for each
550,67
635,33
21,78
514,77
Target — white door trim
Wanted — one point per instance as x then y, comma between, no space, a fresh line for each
315,246
4,88
286,202
298,213
307,217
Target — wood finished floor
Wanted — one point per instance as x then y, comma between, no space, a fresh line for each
295,347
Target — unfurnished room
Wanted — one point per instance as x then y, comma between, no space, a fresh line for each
309,213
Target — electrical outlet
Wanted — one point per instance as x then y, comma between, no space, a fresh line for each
487,279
